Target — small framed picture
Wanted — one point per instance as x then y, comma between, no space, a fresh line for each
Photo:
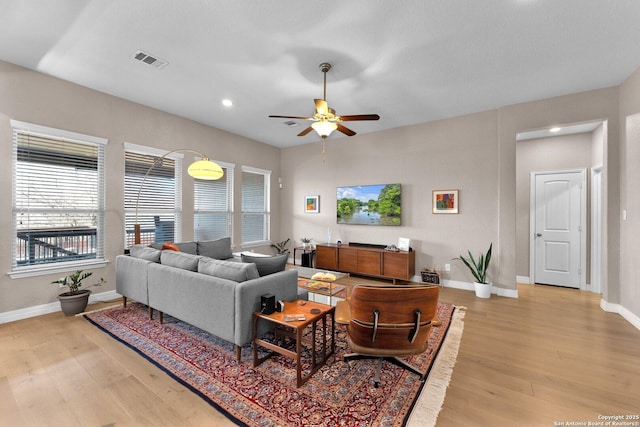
312,204
404,244
445,201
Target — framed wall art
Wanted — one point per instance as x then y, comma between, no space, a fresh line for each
445,201
312,204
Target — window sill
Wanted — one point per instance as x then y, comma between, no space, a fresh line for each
255,244
22,272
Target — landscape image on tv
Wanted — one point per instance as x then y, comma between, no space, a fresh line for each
369,204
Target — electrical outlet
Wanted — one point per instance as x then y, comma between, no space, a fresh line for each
447,267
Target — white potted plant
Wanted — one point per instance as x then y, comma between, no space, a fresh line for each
75,300
479,271
306,242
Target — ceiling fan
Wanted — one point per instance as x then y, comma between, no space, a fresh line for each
325,120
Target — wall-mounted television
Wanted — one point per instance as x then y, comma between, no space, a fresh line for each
369,204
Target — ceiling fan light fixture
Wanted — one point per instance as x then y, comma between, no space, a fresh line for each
205,169
324,128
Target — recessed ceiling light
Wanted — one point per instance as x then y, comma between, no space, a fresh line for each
227,102
555,129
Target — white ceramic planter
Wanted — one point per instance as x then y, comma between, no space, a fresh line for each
483,290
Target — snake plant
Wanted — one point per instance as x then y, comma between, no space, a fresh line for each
478,268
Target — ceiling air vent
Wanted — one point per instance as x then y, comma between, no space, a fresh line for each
291,123
149,60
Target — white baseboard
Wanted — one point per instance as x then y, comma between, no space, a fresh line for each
617,308
509,293
38,310
523,279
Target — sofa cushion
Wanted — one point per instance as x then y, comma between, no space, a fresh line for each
145,252
180,260
230,270
218,249
267,264
188,247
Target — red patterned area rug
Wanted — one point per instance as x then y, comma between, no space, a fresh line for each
339,394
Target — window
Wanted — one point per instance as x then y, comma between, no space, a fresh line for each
156,181
213,206
256,206
58,199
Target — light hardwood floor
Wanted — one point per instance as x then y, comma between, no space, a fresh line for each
550,356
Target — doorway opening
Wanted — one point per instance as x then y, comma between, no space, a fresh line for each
574,147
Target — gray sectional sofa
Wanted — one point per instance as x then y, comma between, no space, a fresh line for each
204,285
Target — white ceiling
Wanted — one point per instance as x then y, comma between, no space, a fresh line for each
410,61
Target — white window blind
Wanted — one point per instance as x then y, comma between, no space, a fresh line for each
213,206
255,205
58,197
159,205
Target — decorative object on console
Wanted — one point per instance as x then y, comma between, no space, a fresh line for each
445,201
200,169
404,243
312,204
369,204
479,271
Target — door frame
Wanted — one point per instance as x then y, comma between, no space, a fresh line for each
583,221
596,230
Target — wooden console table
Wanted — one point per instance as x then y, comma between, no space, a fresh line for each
366,261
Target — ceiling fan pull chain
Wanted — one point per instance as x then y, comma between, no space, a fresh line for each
323,152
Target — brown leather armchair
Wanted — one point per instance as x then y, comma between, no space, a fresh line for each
385,322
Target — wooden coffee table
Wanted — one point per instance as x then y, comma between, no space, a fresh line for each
293,329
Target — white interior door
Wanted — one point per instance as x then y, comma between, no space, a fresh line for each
558,210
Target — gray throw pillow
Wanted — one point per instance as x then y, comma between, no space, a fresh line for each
180,260
218,249
267,264
188,247
145,252
230,270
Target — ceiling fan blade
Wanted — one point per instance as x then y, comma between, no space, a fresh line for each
345,130
306,131
359,117
321,106
292,117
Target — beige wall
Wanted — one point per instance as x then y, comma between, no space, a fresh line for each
33,97
475,154
460,153
545,154
630,194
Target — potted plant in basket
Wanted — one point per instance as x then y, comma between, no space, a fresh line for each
479,271
75,300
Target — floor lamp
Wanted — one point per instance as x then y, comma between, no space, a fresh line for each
200,169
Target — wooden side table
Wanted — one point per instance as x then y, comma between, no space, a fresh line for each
294,330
